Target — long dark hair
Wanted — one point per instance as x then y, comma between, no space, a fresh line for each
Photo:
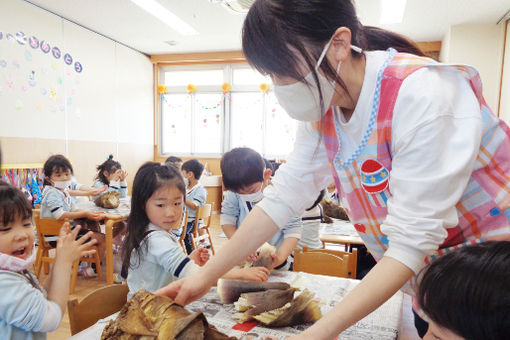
274,31
467,291
149,178
110,166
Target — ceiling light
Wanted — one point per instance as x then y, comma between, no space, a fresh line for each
392,11
163,14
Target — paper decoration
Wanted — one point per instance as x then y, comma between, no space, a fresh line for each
28,55
191,88
264,87
19,104
226,87
161,89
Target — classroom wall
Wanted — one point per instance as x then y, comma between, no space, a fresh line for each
504,109
480,46
48,107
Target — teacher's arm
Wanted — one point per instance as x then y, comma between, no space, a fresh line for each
254,231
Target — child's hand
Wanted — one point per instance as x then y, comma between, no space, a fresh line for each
96,192
200,256
69,249
254,274
252,257
275,260
95,215
123,175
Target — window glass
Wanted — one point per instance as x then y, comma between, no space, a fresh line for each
196,77
247,120
208,122
176,123
280,129
248,76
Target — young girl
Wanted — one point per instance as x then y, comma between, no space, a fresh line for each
27,309
110,174
57,202
151,253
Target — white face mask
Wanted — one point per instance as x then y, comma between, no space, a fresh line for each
302,101
15,264
62,184
254,197
186,182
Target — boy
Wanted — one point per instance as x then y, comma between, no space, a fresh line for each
466,293
195,196
245,177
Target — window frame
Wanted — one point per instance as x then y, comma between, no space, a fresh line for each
226,133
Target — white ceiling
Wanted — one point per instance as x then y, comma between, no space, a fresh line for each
220,30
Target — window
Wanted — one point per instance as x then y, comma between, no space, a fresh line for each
206,122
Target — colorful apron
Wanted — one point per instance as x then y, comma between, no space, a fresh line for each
362,179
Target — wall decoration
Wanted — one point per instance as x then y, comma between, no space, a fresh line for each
68,60
226,87
28,55
33,42
21,38
264,87
56,52
191,88
161,89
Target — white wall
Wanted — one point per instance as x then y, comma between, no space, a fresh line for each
106,108
480,46
504,109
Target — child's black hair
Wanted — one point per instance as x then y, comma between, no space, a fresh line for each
318,200
149,178
468,291
55,163
13,204
241,167
110,166
194,166
269,165
173,160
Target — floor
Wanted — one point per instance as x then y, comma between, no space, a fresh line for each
85,286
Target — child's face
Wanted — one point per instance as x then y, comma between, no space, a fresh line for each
61,175
17,238
187,174
164,207
437,332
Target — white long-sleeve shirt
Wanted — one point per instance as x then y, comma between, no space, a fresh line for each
436,135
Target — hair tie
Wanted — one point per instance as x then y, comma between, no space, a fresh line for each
110,158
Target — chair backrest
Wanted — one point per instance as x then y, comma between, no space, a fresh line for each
46,226
204,214
352,258
184,226
320,263
99,304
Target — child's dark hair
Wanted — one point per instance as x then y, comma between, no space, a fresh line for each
194,166
149,178
269,166
241,167
55,163
13,204
173,160
318,200
110,166
274,31
468,291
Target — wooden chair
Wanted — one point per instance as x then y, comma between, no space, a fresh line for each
183,233
49,226
352,258
321,263
203,213
98,304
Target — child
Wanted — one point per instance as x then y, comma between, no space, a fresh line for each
110,174
151,253
176,161
312,218
57,202
245,177
196,196
27,309
466,293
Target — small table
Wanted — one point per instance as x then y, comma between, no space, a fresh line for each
383,323
339,232
112,216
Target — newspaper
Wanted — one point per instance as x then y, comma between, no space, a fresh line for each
382,324
339,227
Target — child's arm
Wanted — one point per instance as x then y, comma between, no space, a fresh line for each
68,251
191,204
92,215
87,191
284,251
198,199
248,274
229,230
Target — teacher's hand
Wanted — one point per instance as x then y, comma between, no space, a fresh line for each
186,290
